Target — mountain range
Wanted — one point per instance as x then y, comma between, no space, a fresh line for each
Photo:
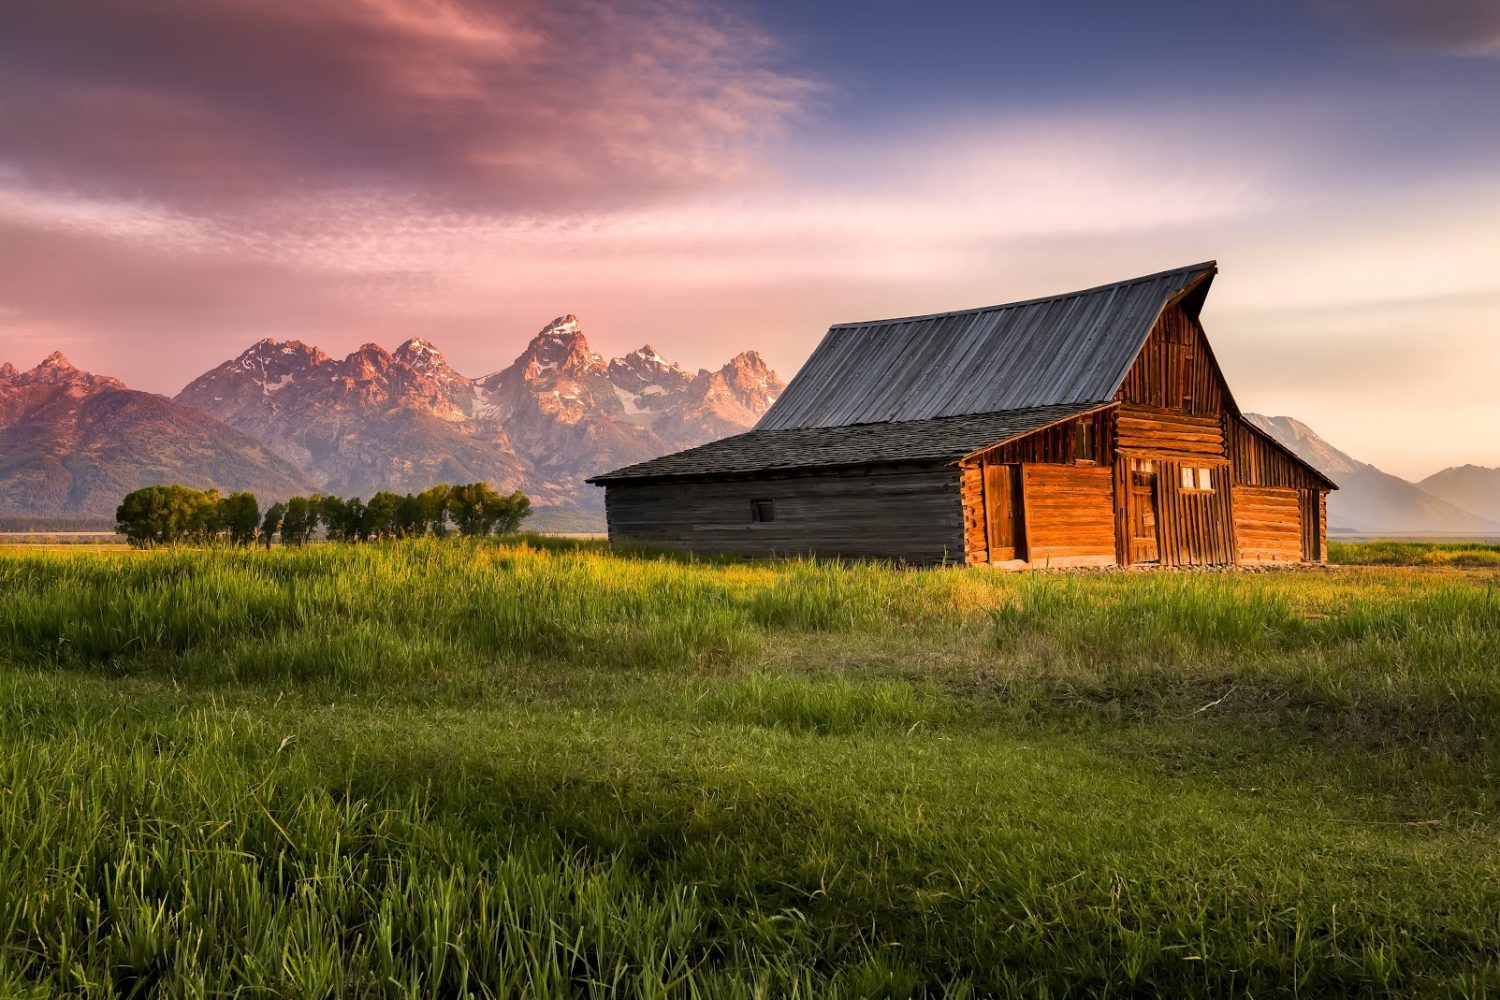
285,417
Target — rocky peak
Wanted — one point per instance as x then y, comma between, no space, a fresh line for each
52,367
270,351
752,381
422,356
645,368
55,369
369,362
560,350
7,370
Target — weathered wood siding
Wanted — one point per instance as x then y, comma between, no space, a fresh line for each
1057,443
1268,524
1195,528
976,538
1312,512
1171,415
1258,460
1063,499
1152,431
1175,370
1070,517
916,515
1261,467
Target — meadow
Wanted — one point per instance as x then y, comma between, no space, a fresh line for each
538,768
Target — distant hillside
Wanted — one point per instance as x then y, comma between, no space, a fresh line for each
73,443
1369,499
1472,487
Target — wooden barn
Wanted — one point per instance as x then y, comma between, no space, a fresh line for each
1093,428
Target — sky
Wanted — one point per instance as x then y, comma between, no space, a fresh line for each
181,178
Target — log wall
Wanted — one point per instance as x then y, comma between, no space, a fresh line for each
913,514
971,488
1154,432
1070,515
1268,524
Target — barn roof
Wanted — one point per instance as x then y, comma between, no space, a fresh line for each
939,439
1065,350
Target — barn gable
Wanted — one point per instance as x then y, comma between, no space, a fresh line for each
1072,349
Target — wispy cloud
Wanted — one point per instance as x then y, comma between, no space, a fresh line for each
510,104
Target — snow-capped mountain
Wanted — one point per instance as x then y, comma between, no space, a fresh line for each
556,414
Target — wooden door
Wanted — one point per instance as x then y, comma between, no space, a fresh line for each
1309,515
1005,525
1144,546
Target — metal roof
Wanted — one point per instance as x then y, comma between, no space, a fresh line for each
1066,350
940,439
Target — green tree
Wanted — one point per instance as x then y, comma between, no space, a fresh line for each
433,503
168,513
239,514
356,515
504,514
335,513
478,509
299,521
380,514
410,520
271,524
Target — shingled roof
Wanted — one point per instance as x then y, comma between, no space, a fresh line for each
1070,349
939,439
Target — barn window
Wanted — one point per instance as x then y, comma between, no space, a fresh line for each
1083,443
762,511
1198,480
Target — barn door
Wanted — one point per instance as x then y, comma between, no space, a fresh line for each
1312,534
1004,524
1144,547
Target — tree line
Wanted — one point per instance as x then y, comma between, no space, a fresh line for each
171,513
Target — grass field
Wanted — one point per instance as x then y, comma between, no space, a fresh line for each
537,769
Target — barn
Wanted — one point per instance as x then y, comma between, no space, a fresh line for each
1087,429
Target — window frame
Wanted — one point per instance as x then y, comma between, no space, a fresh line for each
762,510
1084,432
1194,477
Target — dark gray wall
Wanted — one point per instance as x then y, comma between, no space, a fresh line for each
887,514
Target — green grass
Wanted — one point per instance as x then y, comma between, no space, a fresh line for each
1464,554
539,769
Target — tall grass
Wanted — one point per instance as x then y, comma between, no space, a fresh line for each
542,769
1483,555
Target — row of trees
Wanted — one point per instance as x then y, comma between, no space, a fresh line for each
171,513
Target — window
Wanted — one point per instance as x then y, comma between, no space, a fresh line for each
1197,480
1083,443
762,511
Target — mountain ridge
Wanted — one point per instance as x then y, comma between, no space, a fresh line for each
559,412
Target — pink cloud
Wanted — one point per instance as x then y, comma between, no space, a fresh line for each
513,104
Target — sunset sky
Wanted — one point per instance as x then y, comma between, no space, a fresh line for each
180,178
